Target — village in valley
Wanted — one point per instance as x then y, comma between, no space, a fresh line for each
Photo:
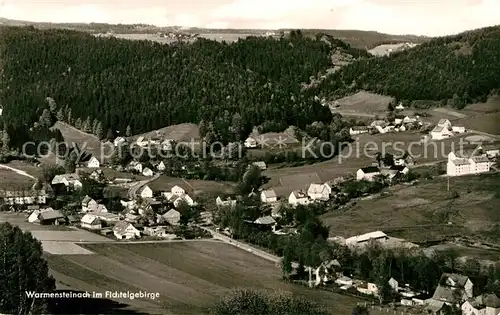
126,206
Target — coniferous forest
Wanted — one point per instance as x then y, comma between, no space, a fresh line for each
137,86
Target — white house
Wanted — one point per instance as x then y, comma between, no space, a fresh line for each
176,190
71,181
119,141
177,200
125,230
367,173
467,165
146,192
344,281
458,129
393,284
298,197
319,192
166,145
356,130
225,203
262,165
91,222
368,288
93,162
147,172
268,196
89,204
101,209
408,120
172,216
400,106
442,130
250,142
492,153
161,166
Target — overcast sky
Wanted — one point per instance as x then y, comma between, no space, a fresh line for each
420,17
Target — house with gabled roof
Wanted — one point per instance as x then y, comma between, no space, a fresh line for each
70,181
260,164
453,289
172,216
51,217
93,162
298,197
125,230
146,192
228,202
147,172
320,192
267,220
268,196
91,222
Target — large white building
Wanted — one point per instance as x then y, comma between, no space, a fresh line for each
444,130
467,165
458,166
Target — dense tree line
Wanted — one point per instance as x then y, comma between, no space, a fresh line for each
140,85
22,269
454,70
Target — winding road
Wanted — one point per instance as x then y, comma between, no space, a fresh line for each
132,192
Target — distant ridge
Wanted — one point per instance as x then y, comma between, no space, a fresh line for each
359,39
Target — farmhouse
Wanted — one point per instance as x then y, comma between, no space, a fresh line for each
91,222
367,173
70,181
33,217
361,240
51,217
464,166
172,216
298,197
146,192
125,230
320,192
178,200
400,107
97,175
107,217
147,172
261,165
225,203
158,231
119,141
367,288
267,220
250,142
453,288
93,163
23,197
88,204
268,196
356,130
442,130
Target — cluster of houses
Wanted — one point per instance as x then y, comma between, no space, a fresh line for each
444,130
383,126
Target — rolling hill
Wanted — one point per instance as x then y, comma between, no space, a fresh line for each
453,70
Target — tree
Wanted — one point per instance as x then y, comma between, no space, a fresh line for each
360,310
5,140
87,125
256,302
22,270
99,130
251,180
52,104
185,211
128,131
60,115
50,171
46,118
110,135
92,188
70,162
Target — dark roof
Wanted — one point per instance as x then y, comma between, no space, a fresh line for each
491,300
370,169
50,215
398,168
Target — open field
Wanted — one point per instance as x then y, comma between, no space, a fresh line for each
189,276
10,180
359,154
110,173
192,186
488,123
422,212
363,103
85,141
180,133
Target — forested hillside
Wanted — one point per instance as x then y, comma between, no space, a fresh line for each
454,70
146,85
